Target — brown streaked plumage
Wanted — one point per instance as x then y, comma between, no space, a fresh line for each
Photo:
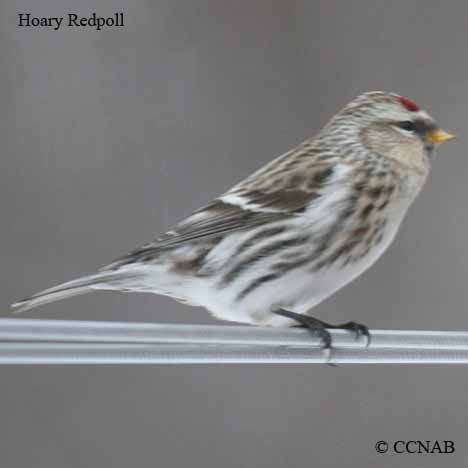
295,231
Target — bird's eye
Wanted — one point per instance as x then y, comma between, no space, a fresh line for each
407,125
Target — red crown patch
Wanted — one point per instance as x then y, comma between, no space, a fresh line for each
408,104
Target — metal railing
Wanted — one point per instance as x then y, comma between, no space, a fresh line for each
35,341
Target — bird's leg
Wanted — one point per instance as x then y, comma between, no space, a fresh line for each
319,327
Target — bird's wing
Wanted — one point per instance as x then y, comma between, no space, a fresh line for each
217,218
278,191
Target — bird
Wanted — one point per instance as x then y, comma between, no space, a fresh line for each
278,243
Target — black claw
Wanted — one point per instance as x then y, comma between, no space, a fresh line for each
358,329
324,335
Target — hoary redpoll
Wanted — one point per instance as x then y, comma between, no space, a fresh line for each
290,235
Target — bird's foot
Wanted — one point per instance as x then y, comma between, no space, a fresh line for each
357,328
315,326
320,328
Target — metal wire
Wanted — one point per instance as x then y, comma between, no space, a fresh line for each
26,341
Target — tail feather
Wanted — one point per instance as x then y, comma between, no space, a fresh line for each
84,285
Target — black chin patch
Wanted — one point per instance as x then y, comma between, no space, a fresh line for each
429,150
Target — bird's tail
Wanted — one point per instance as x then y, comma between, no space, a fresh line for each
83,285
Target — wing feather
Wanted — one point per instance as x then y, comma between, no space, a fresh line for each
281,190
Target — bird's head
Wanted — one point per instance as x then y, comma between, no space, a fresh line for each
392,126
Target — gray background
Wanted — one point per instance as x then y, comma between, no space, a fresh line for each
110,137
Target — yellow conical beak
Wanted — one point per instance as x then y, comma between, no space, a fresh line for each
437,136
